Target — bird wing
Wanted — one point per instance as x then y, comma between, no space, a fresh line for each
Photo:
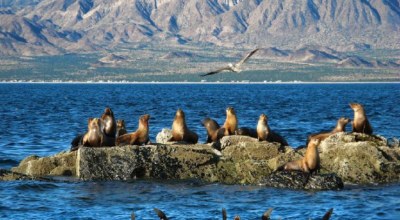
217,71
246,57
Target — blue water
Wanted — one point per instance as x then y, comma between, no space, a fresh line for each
42,119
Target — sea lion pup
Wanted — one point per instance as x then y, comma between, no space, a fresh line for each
310,161
94,137
110,125
121,128
76,142
139,137
231,122
214,132
340,127
360,122
180,132
264,133
251,132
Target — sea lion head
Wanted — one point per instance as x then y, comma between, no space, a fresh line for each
108,111
120,124
95,123
315,141
356,107
179,113
210,124
230,111
344,121
263,117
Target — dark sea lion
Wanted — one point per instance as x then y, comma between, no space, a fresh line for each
214,132
224,216
267,214
264,133
94,137
180,131
328,214
76,142
121,128
251,132
160,214
231,122
310,162
110,125
139,137
340,127
360,122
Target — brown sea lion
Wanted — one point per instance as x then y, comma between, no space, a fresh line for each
180,131
110,125
214,132
121,128
139,137
76,142
310,161
264,133
251,132
267,214
94,137
360,122
340,127
231,122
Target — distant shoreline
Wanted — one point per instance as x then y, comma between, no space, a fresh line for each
199,83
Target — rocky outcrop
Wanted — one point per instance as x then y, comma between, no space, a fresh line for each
61,164
351,157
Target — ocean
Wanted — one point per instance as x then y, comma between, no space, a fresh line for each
43,118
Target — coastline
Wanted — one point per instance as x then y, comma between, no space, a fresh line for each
196,83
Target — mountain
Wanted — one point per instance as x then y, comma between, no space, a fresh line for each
58,26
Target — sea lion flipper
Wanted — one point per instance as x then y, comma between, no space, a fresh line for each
224,216
327,214
160,214
267,214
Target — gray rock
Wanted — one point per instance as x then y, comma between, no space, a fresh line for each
164,136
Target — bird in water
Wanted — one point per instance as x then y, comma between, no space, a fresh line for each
233,67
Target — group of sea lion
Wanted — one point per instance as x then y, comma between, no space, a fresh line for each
265,216
106,131
310,162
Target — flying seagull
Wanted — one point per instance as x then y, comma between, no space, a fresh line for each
233,67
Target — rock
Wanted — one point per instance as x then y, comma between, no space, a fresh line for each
164,136
360,158
61,164
354,158
6,175
301,180
151,161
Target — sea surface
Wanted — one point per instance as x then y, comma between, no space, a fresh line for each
42,119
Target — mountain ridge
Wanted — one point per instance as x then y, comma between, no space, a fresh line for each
89,25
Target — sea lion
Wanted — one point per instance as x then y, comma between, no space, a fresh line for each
76,142
110,125
231,122
310,161
94,137
328,214
139,137
340,127
214,132
121,129
360,122
180,132
251,132
264,133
